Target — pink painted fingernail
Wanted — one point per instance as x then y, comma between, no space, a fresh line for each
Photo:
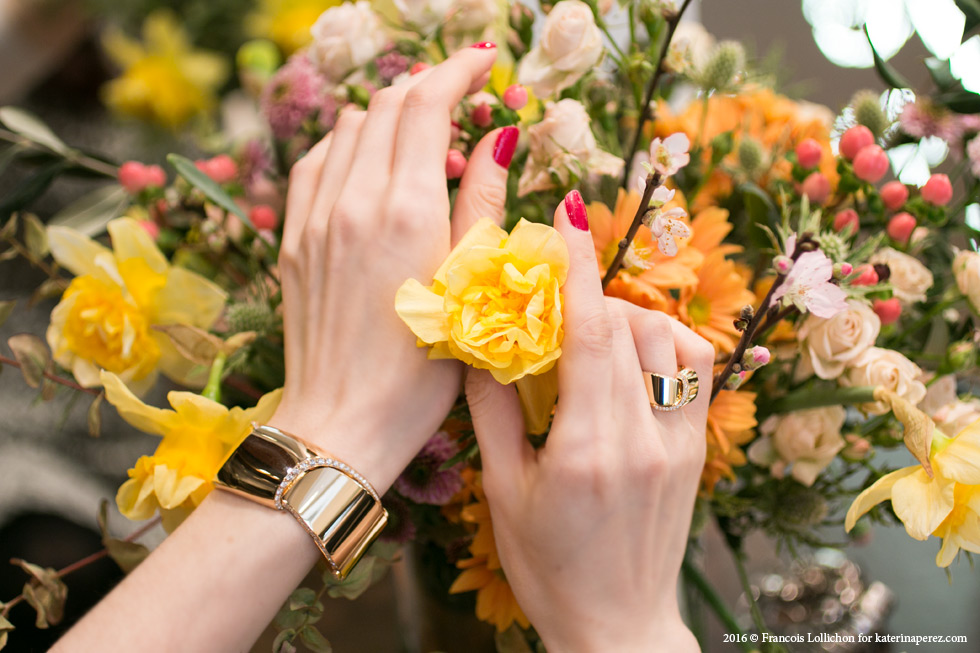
503,148
575,208
484,45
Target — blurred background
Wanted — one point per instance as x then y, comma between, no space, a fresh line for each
53,475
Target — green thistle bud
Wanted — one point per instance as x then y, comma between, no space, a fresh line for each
868,112
250,317
834,246
799,508
724,67
751,156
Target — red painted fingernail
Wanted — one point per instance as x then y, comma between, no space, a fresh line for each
575,208
484,45
503,149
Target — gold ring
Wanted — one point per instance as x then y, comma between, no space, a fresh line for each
669,393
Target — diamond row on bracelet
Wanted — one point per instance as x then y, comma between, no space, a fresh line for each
310,463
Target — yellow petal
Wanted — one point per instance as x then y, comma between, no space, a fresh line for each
123,50
188,298
484,233
947,553
205,414
148,419
240,420
538,395
177,368
205,69
129,502
130,240
880,491
922,503
539,243
422,310
76,252
960,460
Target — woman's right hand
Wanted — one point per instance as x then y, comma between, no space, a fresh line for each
591,529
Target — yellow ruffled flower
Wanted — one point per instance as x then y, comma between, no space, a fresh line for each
164,80
105,316
946,504
287,22
198,436
495,302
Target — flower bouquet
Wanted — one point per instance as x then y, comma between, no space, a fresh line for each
842,303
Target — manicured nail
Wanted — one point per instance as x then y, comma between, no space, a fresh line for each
503,149
575,208
484,45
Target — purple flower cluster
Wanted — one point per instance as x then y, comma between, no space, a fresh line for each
423,481
391,65
293,94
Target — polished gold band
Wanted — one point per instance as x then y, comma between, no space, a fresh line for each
335,504
668,393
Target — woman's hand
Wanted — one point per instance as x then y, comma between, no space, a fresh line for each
591,529
367,209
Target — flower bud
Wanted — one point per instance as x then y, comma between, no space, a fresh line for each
808,153
854,140
847,219
842,270
723,67
250,317
894,194
868,112
755,358
816,187
900,227
515,97
888,310
264,216
735,381
938,191
482,116
455,164
750,155
857,447
867,276
962,355
871,163
782,264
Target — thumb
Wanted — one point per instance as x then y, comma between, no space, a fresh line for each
499,427
483,188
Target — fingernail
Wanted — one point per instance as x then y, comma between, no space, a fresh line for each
503,149
484,45
575,208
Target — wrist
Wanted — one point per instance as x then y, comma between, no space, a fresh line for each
638,635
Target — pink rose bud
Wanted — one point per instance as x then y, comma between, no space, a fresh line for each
938,191
846,269
482,115
847,219
418,67
782,264
816,187
871,163
888,310
894,194
808,153
866,276
900,227
155,177
133,177
756,358
854,140
264,217
857,447
150,227
455,164
515,97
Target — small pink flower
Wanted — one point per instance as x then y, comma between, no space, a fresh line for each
922,119
515,97
871,163
894,194
455,164
391,65
847,219
938,191
888,310
854,140
292,95
264,217
670,155
867,276
808,286
667,227
808,153
816,187
901,226
482,116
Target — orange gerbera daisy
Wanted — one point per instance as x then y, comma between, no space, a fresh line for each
731,423
495,601
712,307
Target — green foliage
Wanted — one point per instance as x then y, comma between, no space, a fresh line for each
125,554
45,592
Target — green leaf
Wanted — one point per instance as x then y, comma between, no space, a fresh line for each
283,641
48,289
6,308
5,628
886,71
186,169
95,416
10,229
960,101
8,156
302,597
126,554
972,10
90,214
35,237
30,190
32,128
356,583
463,455
940,72
45,592
315,640
33,356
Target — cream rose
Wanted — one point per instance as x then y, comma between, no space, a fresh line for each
423,14
805,441
956,416
570,46
472,16
828,345
563,144
887,368
345,38
910,279
966,267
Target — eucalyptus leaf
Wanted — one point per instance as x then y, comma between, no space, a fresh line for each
35,236
33,356
6,308
31,127
48,289
95,416
127,555
9,229
315,640
8,156
5,628
90,214
45,592
186,169
283,641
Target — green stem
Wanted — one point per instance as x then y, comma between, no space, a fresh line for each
743,577
931,313
213,389
695,578
804,399
601,24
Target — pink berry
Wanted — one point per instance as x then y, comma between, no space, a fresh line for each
155,177
418,67
888,310
894,194
938,190
133,177
222,169
264,217
871,163
866,276
808,153
515,97
854,140
846,269
150,227
482,115
816,187
901,226
455,164
847,219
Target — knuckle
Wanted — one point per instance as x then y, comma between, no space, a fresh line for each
704,353
349,119
595,334
419,98
386,99
289,254
483,198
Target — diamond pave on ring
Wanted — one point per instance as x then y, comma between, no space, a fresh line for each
669,393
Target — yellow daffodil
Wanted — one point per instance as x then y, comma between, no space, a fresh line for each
495,302
945,504
105,317
287,22
198,435
164,80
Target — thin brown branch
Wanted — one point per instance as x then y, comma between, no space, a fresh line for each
654,181
53,377
36,262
